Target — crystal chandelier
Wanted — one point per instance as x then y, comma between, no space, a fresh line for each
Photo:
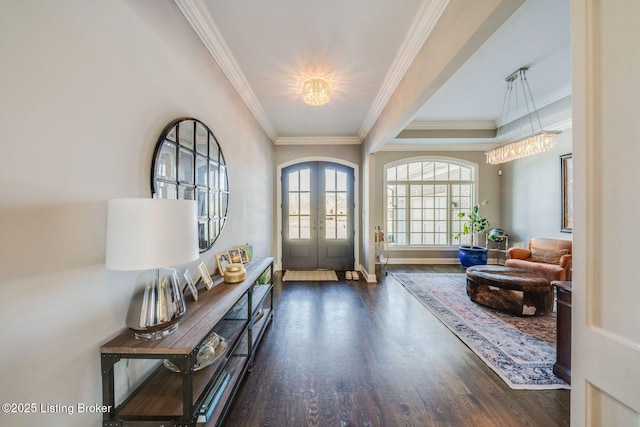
316,91
528,144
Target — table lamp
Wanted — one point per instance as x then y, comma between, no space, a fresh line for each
145,234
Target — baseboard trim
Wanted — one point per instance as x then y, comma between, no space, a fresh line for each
370,278
423,261
430,261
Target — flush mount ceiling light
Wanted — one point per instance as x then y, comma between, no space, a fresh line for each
316,91
532,141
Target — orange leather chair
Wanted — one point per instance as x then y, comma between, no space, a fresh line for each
550,258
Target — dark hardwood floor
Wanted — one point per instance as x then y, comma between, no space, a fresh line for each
349,353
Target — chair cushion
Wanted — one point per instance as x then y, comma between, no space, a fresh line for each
543,243
549,256
550,271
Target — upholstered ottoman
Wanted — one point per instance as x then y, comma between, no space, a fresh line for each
511,290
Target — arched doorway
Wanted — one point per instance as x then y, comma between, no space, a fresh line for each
318,216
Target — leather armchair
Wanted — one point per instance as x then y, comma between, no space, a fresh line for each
550,258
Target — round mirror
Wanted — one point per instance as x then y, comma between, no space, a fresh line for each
188,164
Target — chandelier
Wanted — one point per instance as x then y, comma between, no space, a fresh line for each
534,141
316,91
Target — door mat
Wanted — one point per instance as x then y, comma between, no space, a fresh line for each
521,350
310,276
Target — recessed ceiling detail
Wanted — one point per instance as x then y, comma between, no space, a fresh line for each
365,49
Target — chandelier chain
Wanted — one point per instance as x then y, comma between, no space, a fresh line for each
533,103
537,141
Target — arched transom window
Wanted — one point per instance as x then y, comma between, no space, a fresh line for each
424,197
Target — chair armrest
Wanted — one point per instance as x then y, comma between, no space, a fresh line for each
565,261
519,253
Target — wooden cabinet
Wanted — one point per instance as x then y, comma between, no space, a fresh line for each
240,313
562,367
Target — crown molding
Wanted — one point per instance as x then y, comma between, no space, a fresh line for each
452,125
561,125
483,146
420,29
554,96
541,103
318,140
203,24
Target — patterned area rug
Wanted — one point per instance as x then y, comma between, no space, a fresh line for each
521,350
310,276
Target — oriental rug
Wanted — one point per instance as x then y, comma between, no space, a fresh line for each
521,350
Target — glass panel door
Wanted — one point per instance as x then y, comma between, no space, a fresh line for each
317,212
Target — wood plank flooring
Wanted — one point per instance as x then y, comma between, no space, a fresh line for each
349,353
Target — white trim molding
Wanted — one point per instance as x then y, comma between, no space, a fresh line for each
369,277
400,145
420,29
205,27
541,103
424,261
318,140
457,125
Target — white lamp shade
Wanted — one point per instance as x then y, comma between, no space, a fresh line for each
151,233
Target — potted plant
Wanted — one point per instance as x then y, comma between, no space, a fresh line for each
472,225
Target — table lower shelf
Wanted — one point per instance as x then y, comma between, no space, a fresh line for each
164,387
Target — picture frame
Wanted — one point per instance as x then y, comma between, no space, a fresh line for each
235,256
222,260
191,285
244,253
205,276
566,172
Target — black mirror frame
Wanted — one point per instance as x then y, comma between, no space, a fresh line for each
208,186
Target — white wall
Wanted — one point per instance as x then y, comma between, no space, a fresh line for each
531,195
86,88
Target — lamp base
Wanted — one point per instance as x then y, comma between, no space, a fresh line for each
154,311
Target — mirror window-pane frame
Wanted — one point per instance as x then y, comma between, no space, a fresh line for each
188,164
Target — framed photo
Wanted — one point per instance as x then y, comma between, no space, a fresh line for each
204,274
566,168
244,253
222,259
190,285
235,256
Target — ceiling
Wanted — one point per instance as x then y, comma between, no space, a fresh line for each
364,48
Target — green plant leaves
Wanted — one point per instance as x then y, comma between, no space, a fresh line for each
474,222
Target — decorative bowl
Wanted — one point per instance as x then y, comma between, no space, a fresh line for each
210,351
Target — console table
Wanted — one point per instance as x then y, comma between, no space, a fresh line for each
240,313
562,367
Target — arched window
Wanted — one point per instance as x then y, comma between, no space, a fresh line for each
424,197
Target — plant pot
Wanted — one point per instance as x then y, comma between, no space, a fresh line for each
472,256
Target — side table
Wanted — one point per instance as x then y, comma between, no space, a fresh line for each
562,367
